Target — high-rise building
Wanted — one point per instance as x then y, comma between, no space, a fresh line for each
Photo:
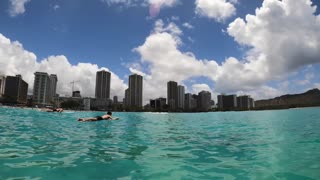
172,95
251,101
180,97
2,85
243,102
53,85
135,91
103,80
115,99
126,98
227,101
188,102
16,90
195,101
204,100
41,88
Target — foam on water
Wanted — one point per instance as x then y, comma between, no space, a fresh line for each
231,145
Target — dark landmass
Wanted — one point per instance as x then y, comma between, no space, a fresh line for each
308,99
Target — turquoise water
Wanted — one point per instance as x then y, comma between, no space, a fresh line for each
228,145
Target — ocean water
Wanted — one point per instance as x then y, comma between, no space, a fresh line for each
282,144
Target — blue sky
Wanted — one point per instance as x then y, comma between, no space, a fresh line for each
107,33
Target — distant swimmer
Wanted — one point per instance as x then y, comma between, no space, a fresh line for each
53,110
107,116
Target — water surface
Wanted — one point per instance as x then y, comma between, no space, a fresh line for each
281,144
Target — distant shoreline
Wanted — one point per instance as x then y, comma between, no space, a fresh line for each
163,112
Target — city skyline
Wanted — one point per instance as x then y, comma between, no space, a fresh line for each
186,42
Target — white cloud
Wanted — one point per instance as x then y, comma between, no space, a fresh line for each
283,36
156,5
219,10
196,88
263,92
171,28
187,25
14,59
165,62
17,7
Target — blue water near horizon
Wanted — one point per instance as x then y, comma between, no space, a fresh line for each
283,144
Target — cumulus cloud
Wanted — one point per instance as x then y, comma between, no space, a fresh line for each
166,62
14,59
218,10
196,88
282,37
17,7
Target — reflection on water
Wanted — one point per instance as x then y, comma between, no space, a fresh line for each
232,145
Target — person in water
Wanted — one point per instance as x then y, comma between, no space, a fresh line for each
107,116
54,110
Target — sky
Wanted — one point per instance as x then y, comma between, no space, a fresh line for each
262,48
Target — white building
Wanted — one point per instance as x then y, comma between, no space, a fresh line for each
41,88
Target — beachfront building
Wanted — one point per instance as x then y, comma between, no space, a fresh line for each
251,102
126,99
41,89
243,102
195,102
158,104
115,99
87,104
2,85
16,90
227,102
135,92
172,95
204,101
103,80
188,102
53,85
180,97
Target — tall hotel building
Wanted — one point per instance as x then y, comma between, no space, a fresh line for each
103,80
172,94
181,97
41,88
135,91
53,85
